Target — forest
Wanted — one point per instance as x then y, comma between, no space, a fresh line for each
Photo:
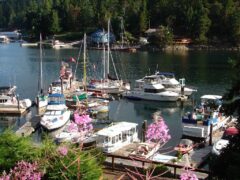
204,21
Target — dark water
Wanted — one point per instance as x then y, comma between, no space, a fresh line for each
210,72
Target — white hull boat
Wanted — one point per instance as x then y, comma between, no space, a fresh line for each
57,114
117,136
10,104
198,123
151,89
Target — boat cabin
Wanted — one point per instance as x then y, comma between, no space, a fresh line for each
198,122
116,136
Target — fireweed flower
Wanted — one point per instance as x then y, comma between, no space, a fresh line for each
158,131
24,171
188,175
63,150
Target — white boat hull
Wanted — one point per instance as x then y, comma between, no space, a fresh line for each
55,122
163,96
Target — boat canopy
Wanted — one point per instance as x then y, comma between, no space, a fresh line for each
116,129
56,95
211,97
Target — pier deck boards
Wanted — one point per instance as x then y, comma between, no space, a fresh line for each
15,111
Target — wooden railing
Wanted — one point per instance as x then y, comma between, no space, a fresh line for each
146,161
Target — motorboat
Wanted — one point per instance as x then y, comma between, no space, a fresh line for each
57,113
197,124
224,141
70,133
149,88
4,39
10,103
168,80
116,136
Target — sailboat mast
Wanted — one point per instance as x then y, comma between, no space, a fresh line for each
104,62
40,65
122,31
84,62
108,43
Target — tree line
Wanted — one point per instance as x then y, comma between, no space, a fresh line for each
204,21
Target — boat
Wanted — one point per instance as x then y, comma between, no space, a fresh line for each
145,150
70,133
149,88
108,84
28,44
168,80
56,44
10,103
197,124
4,39
115,136
42,100
57,113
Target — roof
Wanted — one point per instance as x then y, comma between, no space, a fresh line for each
116,129
213,97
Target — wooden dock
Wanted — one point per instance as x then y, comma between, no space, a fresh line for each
29,127
13,111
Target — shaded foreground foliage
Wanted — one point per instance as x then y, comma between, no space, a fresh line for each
227,165
54,162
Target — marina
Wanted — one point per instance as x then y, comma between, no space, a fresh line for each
118,110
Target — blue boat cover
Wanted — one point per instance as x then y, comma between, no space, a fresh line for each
166,73
56,95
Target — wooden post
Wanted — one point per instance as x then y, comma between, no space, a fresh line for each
38,108
18,102
211,133
70,83
144,130
61,85
175,172
112,163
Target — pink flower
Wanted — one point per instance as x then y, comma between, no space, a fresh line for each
23,170
158,131
188,175
63,150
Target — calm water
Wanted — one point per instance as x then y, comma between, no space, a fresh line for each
208,71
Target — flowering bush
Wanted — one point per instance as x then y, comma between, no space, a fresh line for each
62,150
188,175
23,171
158,131
83,122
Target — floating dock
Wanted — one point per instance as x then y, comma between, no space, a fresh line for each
29,127
13,111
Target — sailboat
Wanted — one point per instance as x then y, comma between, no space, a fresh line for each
123,46
42,100
108,84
